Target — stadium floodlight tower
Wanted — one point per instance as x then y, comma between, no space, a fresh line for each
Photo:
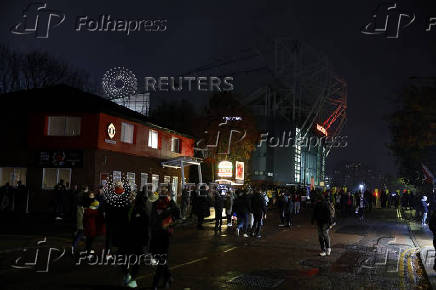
289,86
120,86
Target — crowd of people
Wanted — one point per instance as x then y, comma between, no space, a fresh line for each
14,198
135,222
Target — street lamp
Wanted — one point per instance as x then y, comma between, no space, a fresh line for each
361,187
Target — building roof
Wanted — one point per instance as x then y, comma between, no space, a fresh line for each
66,99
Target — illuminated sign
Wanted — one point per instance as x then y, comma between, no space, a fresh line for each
239,170
111,130
321,129
225,169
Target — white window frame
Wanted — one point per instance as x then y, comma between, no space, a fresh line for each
65,120
118,173
173,149
126,127
175,184
157,185
57,176
144,180
153,143
131,179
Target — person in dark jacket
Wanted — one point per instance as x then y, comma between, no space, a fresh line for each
321,214
60,192
138,235
432,227
201,206
243,208
259,207
164,212
230,197
283,205
186,197
220,195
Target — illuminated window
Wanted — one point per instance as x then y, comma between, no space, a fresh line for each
131,180
52,176
152,139
127,133
12,175
175,184
175,145
116,176
297,158
63,126
155,182
144,180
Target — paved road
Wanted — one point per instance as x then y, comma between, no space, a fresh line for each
375,254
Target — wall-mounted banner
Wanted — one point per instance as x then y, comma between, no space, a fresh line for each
225,169
239,170
60,159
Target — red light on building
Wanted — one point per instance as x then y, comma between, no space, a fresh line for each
321,129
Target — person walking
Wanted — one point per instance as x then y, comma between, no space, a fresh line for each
432,227
289,210
184,204
163,214
117,205
282,204
201,206
93,222
78,201
220,195
361,206
259,207
322,217
424,209
138,235
297,202
230,197
243,208
60,192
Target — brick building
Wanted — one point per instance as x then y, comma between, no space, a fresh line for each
63,133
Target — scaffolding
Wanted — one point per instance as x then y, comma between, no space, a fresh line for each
139,103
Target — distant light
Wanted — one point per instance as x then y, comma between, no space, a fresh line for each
361,186
321,129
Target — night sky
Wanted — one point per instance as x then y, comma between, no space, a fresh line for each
374,67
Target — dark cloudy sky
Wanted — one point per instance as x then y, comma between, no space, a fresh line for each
375,68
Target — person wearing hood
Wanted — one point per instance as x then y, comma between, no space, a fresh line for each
424,206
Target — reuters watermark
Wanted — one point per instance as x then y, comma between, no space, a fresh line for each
120,82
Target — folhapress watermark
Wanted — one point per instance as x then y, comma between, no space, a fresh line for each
287,139
38,20
120,82
389,20
127,260
42,257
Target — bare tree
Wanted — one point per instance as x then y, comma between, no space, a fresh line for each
37,69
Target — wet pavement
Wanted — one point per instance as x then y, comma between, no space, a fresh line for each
378,253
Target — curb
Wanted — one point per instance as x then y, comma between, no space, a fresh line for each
418,254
